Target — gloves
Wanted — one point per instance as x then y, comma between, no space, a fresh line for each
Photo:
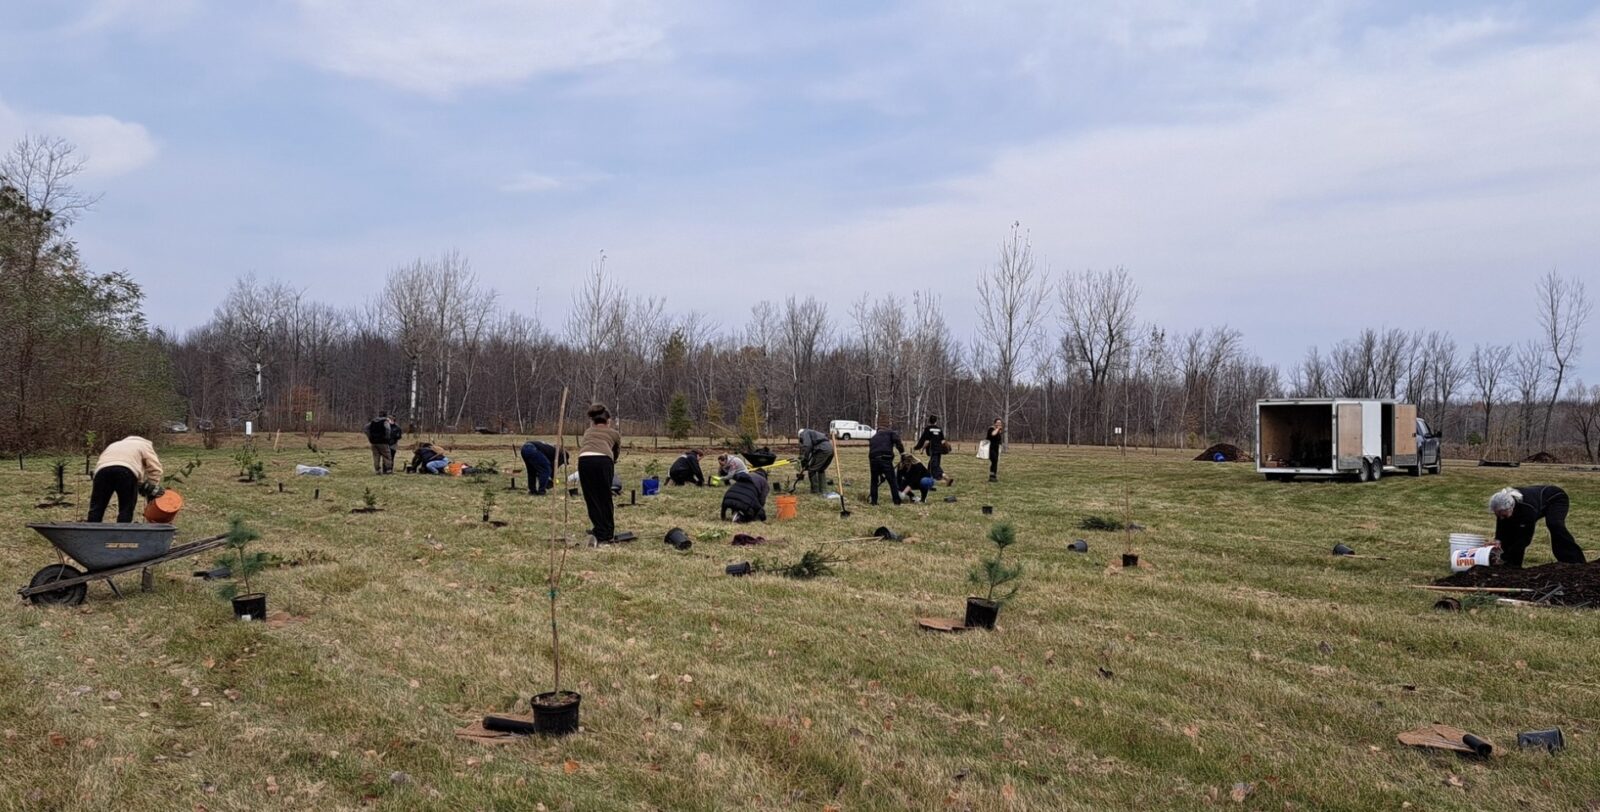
152,490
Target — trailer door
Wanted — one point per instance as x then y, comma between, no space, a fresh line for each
1405,435
1347,450
1372,429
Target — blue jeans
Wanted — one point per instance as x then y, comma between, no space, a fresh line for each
540,474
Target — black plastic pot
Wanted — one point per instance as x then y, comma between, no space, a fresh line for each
1130,559
741,568
1341,549
887,534
509,724
250,607
1078,546
949,499
1447,605
981,614
988,510
678,539
556,713
1551,739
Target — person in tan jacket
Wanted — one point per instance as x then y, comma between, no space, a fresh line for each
127,468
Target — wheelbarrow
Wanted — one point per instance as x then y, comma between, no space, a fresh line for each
104,550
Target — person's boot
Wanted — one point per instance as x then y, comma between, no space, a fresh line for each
993,478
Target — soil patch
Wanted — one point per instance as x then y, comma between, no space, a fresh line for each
1542,456
1580,583
1229,452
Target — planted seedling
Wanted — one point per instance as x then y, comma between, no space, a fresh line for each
88,452
243,563
56,496
555,712
369,502
992,575
179,476
488,506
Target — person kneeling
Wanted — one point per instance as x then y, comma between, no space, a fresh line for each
686,469
914,478
746,498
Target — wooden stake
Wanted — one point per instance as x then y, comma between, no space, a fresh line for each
1489,589
838,469
556,567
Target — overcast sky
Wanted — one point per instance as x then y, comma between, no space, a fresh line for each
1296,170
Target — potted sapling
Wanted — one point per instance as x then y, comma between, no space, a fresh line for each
243,563
651,484
992,575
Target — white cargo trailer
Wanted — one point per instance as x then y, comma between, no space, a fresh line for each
1342,437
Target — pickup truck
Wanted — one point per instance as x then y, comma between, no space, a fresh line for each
851,430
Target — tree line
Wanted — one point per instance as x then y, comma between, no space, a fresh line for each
1063,358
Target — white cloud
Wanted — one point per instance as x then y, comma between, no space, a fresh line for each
108,145
437,48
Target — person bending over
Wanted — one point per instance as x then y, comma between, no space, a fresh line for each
746,498
686,469
127,468
1518,510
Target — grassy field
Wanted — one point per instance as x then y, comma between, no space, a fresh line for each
1245,667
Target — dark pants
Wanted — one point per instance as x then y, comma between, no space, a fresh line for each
883,470
594,476
817,471
540,474
935,465
994,461
1562,543
382,458
114,479
908,488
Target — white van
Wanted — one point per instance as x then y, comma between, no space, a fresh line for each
851,430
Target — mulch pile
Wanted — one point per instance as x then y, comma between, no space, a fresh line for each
1229,452
1542,456
1580,583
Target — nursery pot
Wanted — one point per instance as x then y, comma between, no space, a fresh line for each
1078,546
1342,549
678,539
556,713
988,510
1130,559
741,568
1551,739
250,607
981,613
163,508
788,506
650,486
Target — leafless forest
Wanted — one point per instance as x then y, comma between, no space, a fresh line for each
1063,355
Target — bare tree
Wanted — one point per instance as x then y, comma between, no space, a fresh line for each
1527,375
253,317
803,334
1310,378
1585,418
1489,365
405,314
1012,306
595,318
1564,306
1097,322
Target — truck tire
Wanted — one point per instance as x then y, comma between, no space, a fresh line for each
1438,464
845,436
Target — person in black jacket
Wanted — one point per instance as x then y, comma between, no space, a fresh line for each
881,451
539,458
1518,510
686,469
914,477
932,439
383,434
420,458
996,438
746,497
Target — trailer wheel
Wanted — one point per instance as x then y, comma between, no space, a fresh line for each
1377,469
66,596
1363,473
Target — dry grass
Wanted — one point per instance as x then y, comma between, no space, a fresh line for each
707,692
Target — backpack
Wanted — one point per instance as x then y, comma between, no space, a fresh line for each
378,432
394,433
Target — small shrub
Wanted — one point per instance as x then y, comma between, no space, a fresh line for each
812,564
992,573
1106,523
369,499
242,562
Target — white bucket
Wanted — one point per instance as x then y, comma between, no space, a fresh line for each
1463,560
1462,542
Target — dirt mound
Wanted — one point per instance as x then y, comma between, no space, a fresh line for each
1542,456
1580,583
1229,452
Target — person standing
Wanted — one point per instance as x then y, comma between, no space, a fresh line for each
1518,510
996,438
127,468
686,469
816,454
932,438
881,451
539,458
597,465
394,443
379,434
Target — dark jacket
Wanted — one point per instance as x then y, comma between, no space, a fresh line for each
748,495
395,433
932,437
549,452
885,444
378,431
1517,529
996,440
423,456
687,469
911,476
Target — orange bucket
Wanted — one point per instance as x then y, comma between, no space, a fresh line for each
163,508
788,506
455,468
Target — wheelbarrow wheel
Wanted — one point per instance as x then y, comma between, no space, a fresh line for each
65,596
